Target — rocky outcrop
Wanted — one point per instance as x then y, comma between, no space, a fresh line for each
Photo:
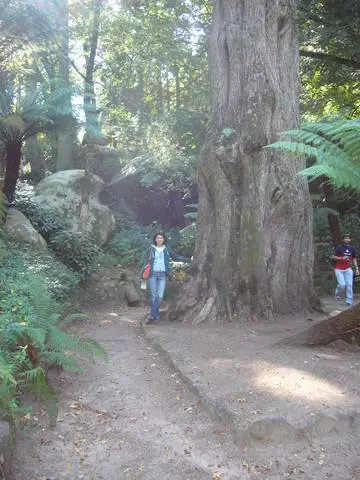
76,197
20,229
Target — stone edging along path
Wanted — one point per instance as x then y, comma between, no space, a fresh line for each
266,429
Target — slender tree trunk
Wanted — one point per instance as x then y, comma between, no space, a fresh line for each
35,158
254,251
177,87
32,154
90,48
13,157
64,159
160,99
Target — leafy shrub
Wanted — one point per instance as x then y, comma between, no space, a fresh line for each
45,219
78,251
31,338
187,240
59,280
130,245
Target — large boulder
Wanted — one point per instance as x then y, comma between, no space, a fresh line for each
19,228
76,198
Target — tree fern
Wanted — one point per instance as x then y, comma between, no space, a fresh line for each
334,148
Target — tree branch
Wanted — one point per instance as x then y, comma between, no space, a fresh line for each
330,58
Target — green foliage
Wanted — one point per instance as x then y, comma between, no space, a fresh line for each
129,246
31,338
334,147
329,28
321,223
78,251
186,245
59,280
44,218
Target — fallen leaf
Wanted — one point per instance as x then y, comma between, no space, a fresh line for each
216,476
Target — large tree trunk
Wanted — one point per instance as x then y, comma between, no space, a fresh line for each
64,160
254,251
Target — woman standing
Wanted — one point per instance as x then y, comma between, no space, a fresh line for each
157,266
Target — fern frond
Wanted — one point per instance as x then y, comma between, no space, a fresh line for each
295,148
335,148
6,371
91,347
65,361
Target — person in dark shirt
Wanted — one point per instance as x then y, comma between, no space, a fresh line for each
344,256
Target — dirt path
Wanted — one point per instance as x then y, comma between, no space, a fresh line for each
130,418
178,402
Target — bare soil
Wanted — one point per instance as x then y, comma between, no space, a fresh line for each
209,402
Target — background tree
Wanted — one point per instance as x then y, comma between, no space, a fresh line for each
65,137
254,243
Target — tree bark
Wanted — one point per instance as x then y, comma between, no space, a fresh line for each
254,250
13,157
64,159
35,158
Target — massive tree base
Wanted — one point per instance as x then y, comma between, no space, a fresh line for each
254,251
201,300
345,326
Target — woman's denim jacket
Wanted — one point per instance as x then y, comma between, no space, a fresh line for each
168,254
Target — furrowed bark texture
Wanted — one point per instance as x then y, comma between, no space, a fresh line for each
254,251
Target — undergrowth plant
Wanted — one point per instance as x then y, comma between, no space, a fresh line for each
32,338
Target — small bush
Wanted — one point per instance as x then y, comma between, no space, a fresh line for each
77,251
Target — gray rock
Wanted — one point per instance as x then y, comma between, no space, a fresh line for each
76,198
272,429
19,228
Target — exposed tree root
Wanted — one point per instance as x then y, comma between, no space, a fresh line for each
345,325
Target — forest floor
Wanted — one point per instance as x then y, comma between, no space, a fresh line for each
207,402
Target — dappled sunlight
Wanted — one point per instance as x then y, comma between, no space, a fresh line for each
291,382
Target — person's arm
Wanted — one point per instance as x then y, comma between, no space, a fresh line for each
336,255
146,260
355,264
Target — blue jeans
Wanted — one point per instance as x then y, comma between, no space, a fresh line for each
345,282
156,283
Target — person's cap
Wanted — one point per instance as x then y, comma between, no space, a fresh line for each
346,235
